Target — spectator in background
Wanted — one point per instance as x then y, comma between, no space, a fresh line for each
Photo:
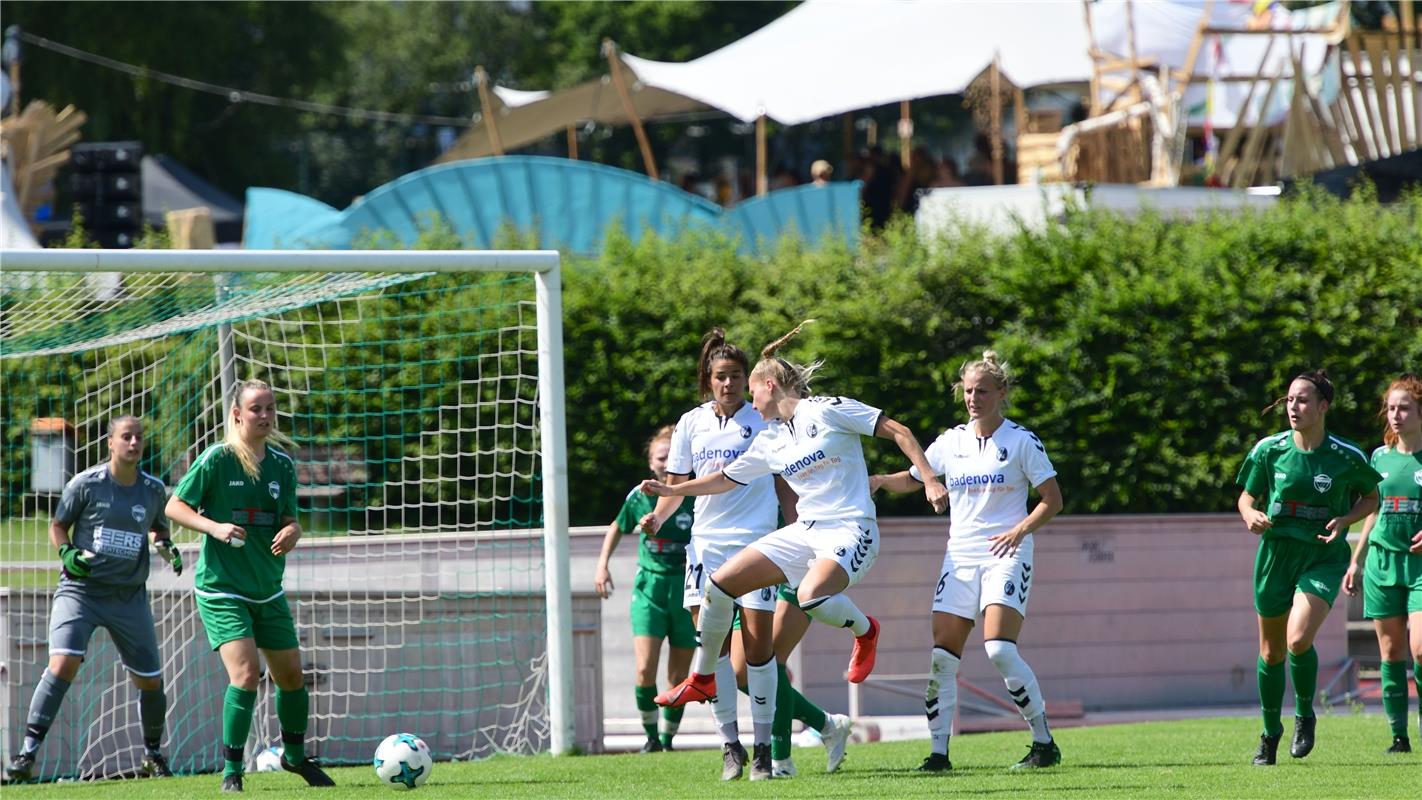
820,172
880,176
784,178
947,175
922,171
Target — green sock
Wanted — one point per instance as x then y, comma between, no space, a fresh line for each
237,707
1271,696
292,709
1394,695
671,723
784,715
1417,678
1303,671
648,706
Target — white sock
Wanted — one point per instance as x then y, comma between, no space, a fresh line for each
723,708
838,611
717,613
1040,732
1021,684
940,701
761,680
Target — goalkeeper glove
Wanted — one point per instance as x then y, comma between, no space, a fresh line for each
74,561
170,554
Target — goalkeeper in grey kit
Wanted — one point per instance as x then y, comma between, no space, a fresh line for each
112,509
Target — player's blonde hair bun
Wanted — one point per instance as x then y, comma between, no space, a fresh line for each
990,364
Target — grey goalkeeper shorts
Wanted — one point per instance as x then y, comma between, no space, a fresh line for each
125,612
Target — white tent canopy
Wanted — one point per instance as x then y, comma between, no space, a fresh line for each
827,57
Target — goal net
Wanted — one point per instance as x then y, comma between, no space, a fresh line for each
422,391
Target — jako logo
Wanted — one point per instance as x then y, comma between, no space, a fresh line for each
796,466
976,480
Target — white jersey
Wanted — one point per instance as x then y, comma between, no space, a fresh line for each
704,443
817,451
987,480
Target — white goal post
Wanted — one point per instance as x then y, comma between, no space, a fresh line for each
20,265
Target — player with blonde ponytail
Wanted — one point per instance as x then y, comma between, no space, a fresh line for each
989,464
242,492
813,444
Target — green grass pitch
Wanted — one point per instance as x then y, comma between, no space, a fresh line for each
1180,760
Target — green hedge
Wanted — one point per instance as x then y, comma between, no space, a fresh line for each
1144,348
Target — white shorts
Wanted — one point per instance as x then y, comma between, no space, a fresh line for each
853,544
965,589
703,558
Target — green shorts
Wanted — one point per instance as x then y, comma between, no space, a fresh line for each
228,619
1392,583
657,609
1285,567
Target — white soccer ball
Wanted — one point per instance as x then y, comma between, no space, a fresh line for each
403,761
269,760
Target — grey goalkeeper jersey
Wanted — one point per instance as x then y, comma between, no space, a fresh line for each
111,524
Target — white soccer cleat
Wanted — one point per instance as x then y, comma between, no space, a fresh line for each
783,768
838,727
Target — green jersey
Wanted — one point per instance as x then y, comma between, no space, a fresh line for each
218,488
1303,489
665,552
1400,507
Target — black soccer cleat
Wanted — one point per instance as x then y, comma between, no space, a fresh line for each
1302,744
667,744
733,761
154,765
22,768
309,771
232,783
936,762
1400,744
1041,754
651,746
1268,751
761,768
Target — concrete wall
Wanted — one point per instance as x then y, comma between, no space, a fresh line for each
1127,611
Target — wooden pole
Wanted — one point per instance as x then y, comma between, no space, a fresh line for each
1377,140
995,127
1095,106
573,142
1135,58
1377,56
491,124
614,62
1249,160
1187,70
1400,86
762,179
1232,139
1358,135
1413,41
905,134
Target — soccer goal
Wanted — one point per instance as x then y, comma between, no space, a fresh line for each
424,393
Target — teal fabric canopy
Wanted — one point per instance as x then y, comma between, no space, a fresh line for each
565,204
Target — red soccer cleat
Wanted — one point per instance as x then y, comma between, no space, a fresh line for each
695,689
866,647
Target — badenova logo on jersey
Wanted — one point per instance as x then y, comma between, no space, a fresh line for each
976,480
795,466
